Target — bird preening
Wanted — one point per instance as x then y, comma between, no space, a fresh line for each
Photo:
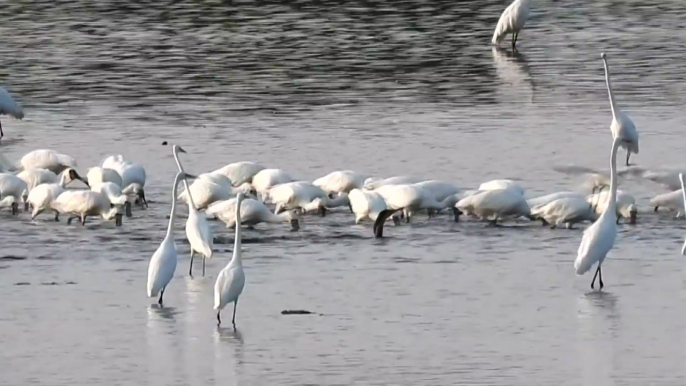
511,22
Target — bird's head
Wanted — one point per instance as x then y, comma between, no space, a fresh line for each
603,56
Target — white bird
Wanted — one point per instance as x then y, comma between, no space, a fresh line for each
9,202
253,212
113,192
164,260
97,175
626,204
47,159
209,188
83,203
198,230
9,107
11,185
132,175
373,183
231,279
512,21
599,238
35,177
366,204
304,195
240,172
622,126
502,184
265,179
683,190
342,181
548,198
441,191
672,200
565,210
41,196
668,178
494,205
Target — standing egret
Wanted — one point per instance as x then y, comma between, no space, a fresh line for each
163,261
599,238
198,229
622,126
512,21
683,190
231,279
9,107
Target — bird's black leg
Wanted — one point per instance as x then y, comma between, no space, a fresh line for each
1,133
83,220
594,276
161,295
628,154
515,35
203,266
219,319
190,270
600,276
233,320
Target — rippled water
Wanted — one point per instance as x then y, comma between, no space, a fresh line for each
385,88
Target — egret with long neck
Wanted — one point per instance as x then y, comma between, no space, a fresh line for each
163,261
198,230
231,279
622,126
599,238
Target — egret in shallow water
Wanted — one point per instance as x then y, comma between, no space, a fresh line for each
599,238
622,126
198,230
231,279
9,107
512,21
163,261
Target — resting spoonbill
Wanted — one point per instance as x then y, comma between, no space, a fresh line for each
599,238
163,261
231,279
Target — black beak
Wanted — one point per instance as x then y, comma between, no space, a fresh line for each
84,181
295,225
456,214
141,195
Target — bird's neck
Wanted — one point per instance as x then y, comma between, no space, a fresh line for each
191,204
613,104
64,180
236,258
175,189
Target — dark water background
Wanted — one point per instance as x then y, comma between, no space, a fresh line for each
385,88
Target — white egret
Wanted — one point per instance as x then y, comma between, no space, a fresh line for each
163,261
683,190
512,21
198,231
599,238
253,212
622,126
231,279
9,107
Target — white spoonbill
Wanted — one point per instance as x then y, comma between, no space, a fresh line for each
163,261
198,230
9,202
672,200
304,195
132,175
268,178
366,204
83,203
342,181
209,188
441,191
47,159
11,185
622,126
494,205
565,210
41,196
231,279
113,192
548,198
240,172
97,175
512,21
253,212
9,107
683,190
502,184
599,238
626,204
375,183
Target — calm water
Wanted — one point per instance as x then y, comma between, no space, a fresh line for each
385,88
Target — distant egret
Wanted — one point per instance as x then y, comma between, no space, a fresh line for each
599,238
198,230
163,261
231,279
622,126
9,107
512,21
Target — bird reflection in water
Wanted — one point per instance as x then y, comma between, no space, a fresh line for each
513,71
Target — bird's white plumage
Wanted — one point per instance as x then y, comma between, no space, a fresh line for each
302,194
366,204
8,106
11,185
548,198
112,191
240,172
494,204
502,184
564,210
253,212
342,181
622,126
35,177
599,238
683,191
209,188
133,175
512,20
163,262
47,159
41,196
231,280
625,202
265,179
84,203
97,175
373,183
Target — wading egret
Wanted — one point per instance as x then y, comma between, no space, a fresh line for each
622,126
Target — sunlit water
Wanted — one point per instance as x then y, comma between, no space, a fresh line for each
388,88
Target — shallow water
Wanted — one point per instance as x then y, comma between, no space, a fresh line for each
385,88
